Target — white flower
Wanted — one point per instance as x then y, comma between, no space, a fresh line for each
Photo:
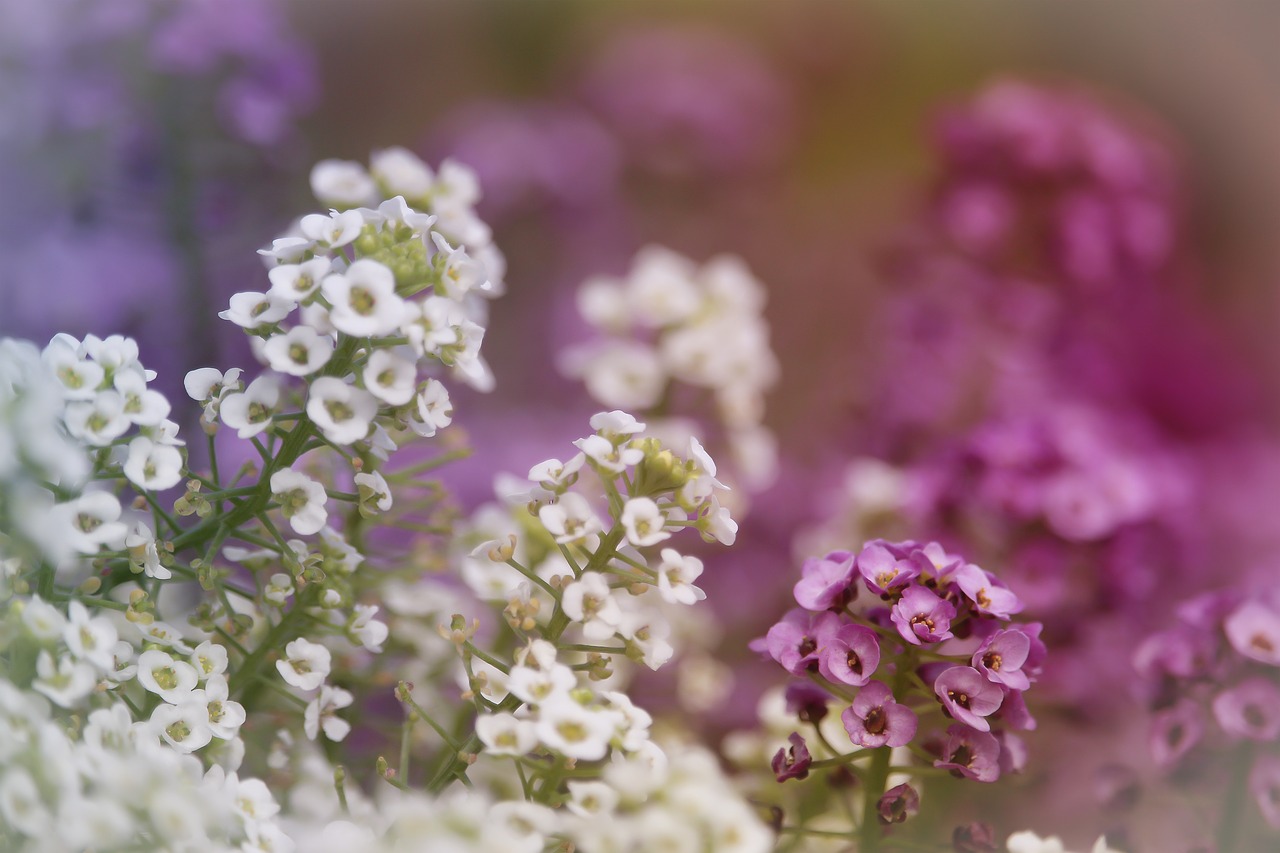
249,412
321,714
715,523
343,412
459,273
675,578
536,686
374,491
298,352
208,385
141,406
249,310
571,519
505,734
644,522
42,620
396,211
298,281
574,731
364,299
172,680
335,230
279,589
591,602
556,476
225,717
305,665
456,185
91,522
163,634
209,659
342,182
615,425
301,499
608,457
144,555
660,290
90,639
591,798
22,804
114,353
648,635
99,421
515,826
369,632
66,682
153,466
184,727
79,377
435,411
602,302
1029,842
287,250
390,377
627,374
401,172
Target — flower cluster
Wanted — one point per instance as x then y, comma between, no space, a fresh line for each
670,328
1214,689
931,636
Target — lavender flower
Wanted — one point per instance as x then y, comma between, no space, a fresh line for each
923,617
874,719
971,754
850,655
792,762
967,696
826,583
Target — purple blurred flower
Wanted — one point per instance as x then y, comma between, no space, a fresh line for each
793,762
875,720
807,701
975,838
1253,629
1264,784
797,639
884,571
967,696
826,583
922,616
1250,709
850,655
1175,732
970,754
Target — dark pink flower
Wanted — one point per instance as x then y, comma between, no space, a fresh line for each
1175,731
874,719
897,804
885,571
850,655
793,762
922,616
795,641
968,697
987,594
970,754
1001,656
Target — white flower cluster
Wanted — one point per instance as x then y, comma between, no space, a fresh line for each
673,800
670,320
1028,842
109,784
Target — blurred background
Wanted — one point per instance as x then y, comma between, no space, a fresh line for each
984,227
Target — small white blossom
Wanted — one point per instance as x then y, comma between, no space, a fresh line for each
342,182
401,172
574,731
42,620
184,727
225,717
79,377
305,664
622,373
555,475
300,351
321,714
98,421
144,554
644,522
296,282
374,491
66,682
90,639
591,798
591,602
279,589
141,405
209,659
364,299
506,734
615,425
368,631
343,412
390,377
434,409
301,499
250,310
536,686
607,456
172,680
153,466
571,519
91,522
716,524
335,230
676,575
459,273
249,412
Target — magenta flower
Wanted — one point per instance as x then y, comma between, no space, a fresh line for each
796,640
1251,709
1175,731
970,754
1001,656
850,655
1264,784
1254,631
883,570
967,696
898,803
922,617
793,762
986,593
806,700
827,583
874,719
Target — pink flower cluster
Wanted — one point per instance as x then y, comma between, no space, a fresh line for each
901,631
